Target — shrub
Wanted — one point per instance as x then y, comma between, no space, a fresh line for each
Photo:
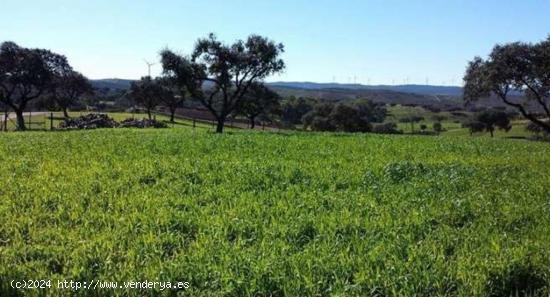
322,124
534,128
386,128
520,279
437,127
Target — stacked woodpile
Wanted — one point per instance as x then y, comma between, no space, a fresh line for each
142,123
97,120
89,121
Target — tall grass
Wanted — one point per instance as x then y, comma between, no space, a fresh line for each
258,214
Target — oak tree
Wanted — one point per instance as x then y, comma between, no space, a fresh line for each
27,74
67,88
514,68
258,100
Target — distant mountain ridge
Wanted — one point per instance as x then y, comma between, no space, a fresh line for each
114,84
409,88
123,84
437,96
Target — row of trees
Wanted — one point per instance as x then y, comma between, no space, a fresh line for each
258,101
225,78
150,93
412,120
356,116
489,121
29,74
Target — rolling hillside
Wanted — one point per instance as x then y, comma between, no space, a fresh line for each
415,89
406,94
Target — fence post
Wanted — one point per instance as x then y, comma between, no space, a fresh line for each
30,114
6,121
51,120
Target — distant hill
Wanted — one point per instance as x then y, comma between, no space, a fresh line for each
376,95
114,84
416,89
441,96
122,84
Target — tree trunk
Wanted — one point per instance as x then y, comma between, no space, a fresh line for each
219,126
252,123
491,131
172,113
532,118
5,120
65,113
20,120
149,113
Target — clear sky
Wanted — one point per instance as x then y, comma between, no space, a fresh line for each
367,41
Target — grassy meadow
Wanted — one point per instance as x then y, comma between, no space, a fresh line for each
276,214
451,123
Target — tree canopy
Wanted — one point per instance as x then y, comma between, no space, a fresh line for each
259,100
234,68
293,109
490,120
172,96
148,93
26,74
226,71
517,67
68,87
412,120
344,116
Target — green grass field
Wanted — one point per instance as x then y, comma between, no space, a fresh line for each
266,214
451,123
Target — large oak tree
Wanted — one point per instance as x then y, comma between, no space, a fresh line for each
520,68
226,71
148,93
27,74
172,95
183,76
68,88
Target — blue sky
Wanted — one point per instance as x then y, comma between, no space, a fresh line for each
376,42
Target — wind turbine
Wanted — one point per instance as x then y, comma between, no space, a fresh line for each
149,64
